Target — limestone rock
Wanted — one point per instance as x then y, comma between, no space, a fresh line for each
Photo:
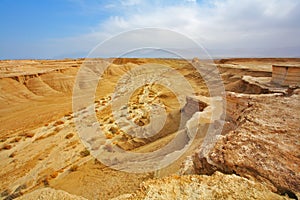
49,194
195,187
194,105
266,148
286,75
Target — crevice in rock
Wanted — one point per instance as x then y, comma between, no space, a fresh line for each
241,86
290,194
207,162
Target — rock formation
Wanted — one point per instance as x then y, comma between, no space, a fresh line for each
259,147
49,194
195,187
286,75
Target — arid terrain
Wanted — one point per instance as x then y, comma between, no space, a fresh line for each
44,155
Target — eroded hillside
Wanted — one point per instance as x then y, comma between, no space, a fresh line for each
40,145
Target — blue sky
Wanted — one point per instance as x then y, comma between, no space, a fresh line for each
72,28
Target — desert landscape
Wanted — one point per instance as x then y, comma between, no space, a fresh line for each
58,142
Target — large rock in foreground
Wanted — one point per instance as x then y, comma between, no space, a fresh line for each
195,187
264,145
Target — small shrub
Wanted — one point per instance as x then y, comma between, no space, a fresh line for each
50,134
12,155
70,135
46,182
73,168
97,162
54,174
21,187
85,153
113,130
69,115
58,123
3,139
17,139
6,146
108,135
5,192
13,196
29,135
57,129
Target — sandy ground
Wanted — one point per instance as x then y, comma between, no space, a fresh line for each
39,143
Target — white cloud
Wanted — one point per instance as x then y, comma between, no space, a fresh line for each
216,24
130,2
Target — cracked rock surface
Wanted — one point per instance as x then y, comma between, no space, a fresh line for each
264,146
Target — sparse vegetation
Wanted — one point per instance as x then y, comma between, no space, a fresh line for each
3,139
57,129
46,182
113,130
17,139
18,192
45,136
68,116
85,153
7,146
70,135
97,162
12,155
27,134
13,196
21,187
5,192
61,160
54,174
73,168
57,123
108,135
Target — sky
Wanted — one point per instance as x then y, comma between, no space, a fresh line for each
52,29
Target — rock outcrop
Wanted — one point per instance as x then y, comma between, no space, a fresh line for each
266,148
50,194
194,104
286,75
195,187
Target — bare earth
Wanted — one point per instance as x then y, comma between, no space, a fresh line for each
42,156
